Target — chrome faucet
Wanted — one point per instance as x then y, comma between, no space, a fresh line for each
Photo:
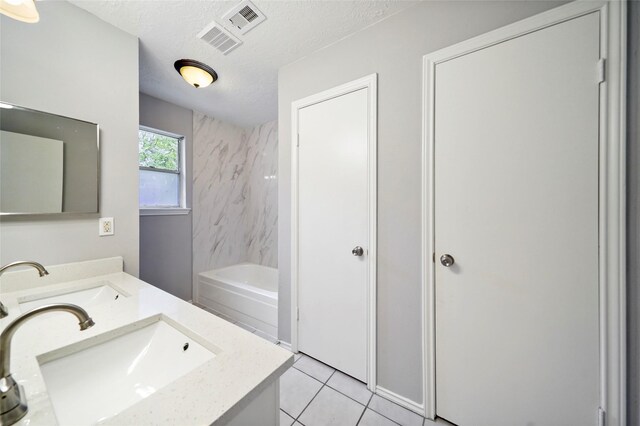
13,403
3,309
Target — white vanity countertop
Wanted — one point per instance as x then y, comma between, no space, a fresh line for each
244,365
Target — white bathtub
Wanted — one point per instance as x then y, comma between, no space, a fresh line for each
246,293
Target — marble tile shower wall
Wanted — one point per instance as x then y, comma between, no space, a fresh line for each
262,211
219,188
234,194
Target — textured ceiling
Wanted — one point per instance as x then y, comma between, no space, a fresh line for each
247,90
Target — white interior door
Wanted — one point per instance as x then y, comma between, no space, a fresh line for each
332,221
516,206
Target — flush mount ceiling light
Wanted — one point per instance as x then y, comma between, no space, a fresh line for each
22,10
195,73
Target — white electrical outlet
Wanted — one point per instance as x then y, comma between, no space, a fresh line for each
106,226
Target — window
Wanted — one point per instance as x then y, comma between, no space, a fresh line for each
160,161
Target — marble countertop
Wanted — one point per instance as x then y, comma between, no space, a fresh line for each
215,391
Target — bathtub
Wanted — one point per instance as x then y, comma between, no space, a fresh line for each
247,293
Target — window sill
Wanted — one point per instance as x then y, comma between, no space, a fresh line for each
171,211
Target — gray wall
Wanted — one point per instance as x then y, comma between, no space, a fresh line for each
165,241
633,206
392,48
73,64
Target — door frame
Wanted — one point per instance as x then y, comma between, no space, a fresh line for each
612,194
368,82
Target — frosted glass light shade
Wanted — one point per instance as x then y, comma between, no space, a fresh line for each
22,10
195,73
196,76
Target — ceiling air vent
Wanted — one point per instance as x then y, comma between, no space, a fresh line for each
245,16
218,37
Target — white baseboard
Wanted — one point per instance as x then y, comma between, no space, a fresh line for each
285,345
400,400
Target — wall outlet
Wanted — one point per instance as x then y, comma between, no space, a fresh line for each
106,226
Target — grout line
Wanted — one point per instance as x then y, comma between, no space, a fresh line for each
342,393
289,415
370,398
332,388
391,420
362,415
329,378
334,372
366,407
309,403
315,378
369,408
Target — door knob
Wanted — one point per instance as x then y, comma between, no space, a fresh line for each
447,260
357,251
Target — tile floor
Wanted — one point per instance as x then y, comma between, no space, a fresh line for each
314,394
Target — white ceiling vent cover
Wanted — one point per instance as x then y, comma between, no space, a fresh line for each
218,37
245,16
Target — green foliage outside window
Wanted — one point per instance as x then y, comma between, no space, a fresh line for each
157,151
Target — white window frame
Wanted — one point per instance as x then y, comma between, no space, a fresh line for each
182,196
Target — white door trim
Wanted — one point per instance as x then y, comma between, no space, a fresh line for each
612,189
369,82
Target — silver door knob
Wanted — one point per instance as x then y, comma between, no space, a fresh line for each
357,251
447,260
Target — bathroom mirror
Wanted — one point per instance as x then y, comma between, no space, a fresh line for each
48,163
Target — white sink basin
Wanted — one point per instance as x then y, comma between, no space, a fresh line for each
85,296
92,384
